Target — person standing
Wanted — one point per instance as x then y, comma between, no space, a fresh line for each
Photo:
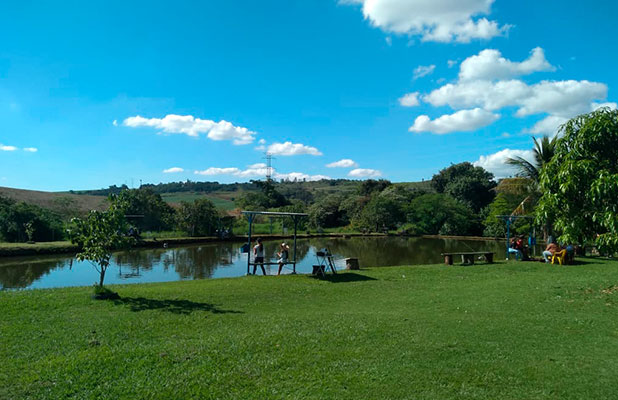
258,254
283,254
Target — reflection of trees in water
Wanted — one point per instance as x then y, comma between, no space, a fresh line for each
200,262
22,275
385,251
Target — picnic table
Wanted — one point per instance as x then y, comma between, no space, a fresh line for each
467,257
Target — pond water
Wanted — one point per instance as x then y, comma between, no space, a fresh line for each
218,260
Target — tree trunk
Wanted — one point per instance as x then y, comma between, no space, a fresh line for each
102,276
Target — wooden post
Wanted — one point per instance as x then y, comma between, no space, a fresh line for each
295,219
250,218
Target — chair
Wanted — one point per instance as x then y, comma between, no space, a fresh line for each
560,256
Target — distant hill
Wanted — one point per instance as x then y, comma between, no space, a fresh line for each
59,202
223,195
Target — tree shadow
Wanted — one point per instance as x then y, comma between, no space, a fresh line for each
183,307
344,278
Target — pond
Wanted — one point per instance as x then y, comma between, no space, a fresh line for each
224,259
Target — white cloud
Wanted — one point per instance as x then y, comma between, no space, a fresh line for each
562,98
345,163
496,163
423,70
435,20
115,122
490,65
548,125
7,148
610,105
31,149
299,176
189,125
452,63
464,120
365,173
173,170
410,100
262,141
259,170
292,149
218,171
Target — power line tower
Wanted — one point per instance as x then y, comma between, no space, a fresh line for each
269,167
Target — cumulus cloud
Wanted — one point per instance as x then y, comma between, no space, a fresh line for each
345,163
436,20
490,65
365,173
496,163
410,100
218,171
31,149
7,148
259,170
464,120
173,170
189,125
292,149
423,70
488,81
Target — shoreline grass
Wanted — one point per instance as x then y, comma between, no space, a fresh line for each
507,330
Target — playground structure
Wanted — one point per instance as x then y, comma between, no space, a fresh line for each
251,217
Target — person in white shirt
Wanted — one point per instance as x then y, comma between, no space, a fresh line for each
283,254
258,253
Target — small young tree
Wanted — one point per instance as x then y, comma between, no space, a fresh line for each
100,233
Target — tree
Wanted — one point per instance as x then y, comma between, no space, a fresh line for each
267,197
381,212
20,221
543,153
100,233
436,213
369,186
326,213
151,211
464,182
580,184
199,218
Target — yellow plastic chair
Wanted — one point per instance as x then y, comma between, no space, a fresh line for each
560,256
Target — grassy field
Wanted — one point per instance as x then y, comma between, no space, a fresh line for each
508,331
218,201
60,202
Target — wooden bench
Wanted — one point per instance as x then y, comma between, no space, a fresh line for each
468,257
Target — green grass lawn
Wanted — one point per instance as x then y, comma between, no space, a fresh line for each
502,331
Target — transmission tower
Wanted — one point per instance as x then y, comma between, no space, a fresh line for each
269,167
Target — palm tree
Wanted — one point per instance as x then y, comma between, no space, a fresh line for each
544,150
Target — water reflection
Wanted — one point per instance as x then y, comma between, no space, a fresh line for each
215,260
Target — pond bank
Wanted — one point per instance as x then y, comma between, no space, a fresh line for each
66,247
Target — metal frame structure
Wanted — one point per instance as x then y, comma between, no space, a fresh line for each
251,216
509,219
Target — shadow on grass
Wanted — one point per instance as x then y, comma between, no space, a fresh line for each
184,307
343,278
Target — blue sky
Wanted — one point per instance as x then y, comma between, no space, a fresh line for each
100,93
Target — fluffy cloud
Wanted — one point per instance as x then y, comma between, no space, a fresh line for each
218,171
365,173
345,163
7,148
489,65
173,170
464,120
259,170
486,81
409,100
31,149
436,20
423,70
292,149
496,163
189,125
